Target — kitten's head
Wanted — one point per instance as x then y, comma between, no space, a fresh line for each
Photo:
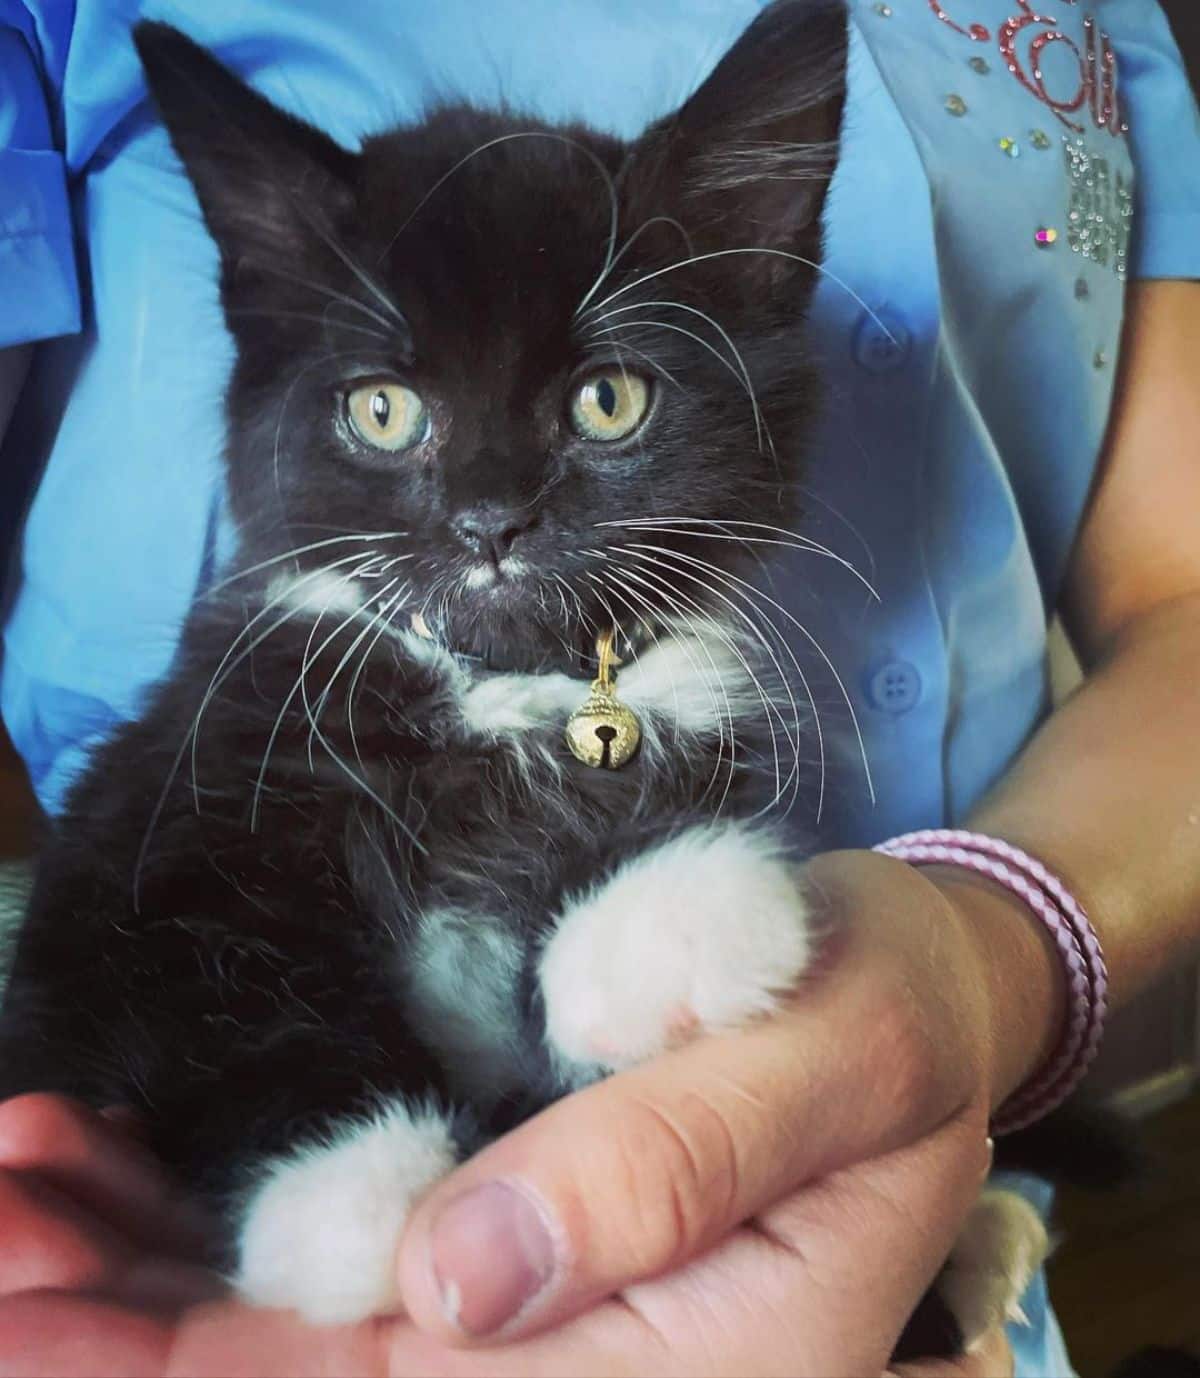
509,375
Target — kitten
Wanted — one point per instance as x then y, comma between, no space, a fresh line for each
341,906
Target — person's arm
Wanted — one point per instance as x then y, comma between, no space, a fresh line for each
1108,793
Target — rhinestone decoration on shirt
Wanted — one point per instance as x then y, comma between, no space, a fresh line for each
1099,208
1024,38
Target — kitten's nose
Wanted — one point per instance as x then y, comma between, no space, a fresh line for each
492,531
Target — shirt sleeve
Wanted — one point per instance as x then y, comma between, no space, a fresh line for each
1164,128
39,286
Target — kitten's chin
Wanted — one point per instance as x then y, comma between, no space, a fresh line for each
511,635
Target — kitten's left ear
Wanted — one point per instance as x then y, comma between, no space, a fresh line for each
267,182
747,161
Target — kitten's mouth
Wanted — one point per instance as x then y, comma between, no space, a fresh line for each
488,574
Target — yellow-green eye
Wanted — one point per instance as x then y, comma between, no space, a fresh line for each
388,416
609,405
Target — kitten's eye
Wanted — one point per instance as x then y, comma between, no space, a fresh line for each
388,416
609,405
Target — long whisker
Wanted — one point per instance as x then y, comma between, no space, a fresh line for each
706,680
712,349
727,253
621,252
384,618
771,710
794,541
723,739
769,706
221,673
190,736
322,290
306,316
744,612
315,711
299,550
728,579
640,305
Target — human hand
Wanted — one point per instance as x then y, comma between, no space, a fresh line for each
872,1087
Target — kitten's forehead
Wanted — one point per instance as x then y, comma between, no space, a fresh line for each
501,223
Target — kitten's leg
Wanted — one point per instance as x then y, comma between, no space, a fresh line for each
1001,1246
320,1231
700,933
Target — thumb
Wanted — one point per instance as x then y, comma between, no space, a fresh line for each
623,1180
635,1175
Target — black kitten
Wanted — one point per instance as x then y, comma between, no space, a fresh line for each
341,905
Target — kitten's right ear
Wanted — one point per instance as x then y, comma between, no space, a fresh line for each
267,182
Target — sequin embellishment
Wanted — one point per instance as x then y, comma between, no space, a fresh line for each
980,65
955,105
1039,139
1009,147
1045,237
883,11
1099,208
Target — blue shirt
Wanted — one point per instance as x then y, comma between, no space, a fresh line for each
967,324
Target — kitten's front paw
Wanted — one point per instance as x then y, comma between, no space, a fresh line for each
701,933
998,1250
320,1233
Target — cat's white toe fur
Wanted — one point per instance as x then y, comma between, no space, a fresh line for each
1001,1246
701,933
321,1231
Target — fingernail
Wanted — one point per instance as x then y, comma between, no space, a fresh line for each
492,1251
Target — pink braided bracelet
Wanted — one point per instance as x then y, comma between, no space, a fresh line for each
1073,934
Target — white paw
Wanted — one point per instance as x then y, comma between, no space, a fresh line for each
320,1234
999,1249
702,933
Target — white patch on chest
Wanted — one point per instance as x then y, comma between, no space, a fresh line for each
320,1234
462,976
678,683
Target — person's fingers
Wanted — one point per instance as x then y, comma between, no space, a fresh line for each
992,1358
841,1264
59,1335
820,1284
51,1241
90,1156
635,1175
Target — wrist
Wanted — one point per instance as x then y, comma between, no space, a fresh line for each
1021,971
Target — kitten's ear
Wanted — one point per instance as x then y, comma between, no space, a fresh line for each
747,161
266,181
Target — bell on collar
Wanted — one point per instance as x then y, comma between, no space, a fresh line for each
602,732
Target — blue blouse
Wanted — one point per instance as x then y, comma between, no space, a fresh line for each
982,224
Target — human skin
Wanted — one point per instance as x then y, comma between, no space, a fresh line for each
773,1200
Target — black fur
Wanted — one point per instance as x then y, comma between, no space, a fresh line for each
221,923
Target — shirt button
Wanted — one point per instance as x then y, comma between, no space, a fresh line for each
882,342
894,687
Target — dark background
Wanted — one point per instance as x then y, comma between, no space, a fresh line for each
1185,20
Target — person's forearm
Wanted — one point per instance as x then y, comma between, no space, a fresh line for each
1108,794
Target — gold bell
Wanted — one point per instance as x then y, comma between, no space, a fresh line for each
602,732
